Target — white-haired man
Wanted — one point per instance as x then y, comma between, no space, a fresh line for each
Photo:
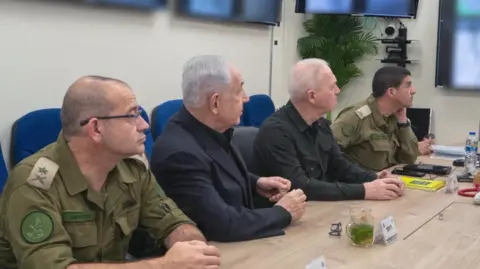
196,164
296,142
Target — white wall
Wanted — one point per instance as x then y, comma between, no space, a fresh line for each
452,111
45,46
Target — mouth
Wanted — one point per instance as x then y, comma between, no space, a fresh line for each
142,139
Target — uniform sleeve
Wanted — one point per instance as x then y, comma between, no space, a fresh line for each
159,214
346,129
408,151
277,155
32,223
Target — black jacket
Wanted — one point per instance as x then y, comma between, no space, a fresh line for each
309,156
205,175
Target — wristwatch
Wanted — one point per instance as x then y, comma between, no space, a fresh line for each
405,124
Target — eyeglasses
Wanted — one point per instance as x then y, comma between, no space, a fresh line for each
125,116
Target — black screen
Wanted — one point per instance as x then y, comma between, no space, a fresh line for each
256,11
379,8
261,11
420,121
458,47
141,4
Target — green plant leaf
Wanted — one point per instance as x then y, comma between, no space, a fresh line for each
340,40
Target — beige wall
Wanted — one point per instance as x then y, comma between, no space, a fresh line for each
454,113
45,45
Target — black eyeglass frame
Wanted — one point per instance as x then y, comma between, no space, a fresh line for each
136,115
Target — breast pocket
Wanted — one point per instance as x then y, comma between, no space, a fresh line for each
83,236
126,222
311,165
381,155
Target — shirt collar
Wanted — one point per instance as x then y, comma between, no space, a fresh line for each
297,119
72,177
223,139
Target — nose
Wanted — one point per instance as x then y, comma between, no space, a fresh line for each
142,124
246,98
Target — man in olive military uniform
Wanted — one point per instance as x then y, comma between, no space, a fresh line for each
75,203
375,133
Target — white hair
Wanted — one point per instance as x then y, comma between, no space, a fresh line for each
305,76
203,75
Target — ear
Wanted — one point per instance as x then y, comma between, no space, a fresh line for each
311,96
94,129
213,102
392,91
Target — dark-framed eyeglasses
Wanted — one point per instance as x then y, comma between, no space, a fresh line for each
134,115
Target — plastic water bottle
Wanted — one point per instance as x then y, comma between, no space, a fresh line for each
471,148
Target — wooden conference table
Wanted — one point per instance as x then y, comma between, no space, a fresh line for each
424,240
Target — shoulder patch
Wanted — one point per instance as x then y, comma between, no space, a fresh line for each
43,173
142,159
36,227
363,112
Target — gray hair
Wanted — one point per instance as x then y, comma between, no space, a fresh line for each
203,75
305,76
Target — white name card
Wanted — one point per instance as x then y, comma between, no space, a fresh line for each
317,264
389,231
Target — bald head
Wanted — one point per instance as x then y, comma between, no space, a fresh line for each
89,96
306,75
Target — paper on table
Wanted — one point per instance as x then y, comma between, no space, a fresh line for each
448,150
317,264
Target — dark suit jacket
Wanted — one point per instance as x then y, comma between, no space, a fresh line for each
212,186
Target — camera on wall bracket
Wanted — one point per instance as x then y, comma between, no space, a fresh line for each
390,30
396,48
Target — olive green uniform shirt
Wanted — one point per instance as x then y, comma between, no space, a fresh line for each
50,218
371,140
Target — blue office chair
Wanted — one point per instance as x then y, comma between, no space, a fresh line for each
34,131
149,141
39,128
162,113
257,110
3,171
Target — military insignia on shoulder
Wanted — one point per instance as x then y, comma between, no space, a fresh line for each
43,173
348,130
363,112
142,159
36,227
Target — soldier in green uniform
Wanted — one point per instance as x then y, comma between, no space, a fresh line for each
375,133
75,203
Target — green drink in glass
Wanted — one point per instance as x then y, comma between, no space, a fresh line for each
361,229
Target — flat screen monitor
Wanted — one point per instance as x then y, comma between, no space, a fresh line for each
252,11
218,9
420,120
390,8
458,45
138,4
377,8
261,11
325,6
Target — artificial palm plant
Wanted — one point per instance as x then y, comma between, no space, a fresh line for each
340,40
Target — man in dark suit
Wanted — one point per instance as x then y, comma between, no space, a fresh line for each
198,167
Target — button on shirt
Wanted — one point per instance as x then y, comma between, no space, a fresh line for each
308,155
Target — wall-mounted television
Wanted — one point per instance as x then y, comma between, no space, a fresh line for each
458,45
137,4
252,11
374,8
